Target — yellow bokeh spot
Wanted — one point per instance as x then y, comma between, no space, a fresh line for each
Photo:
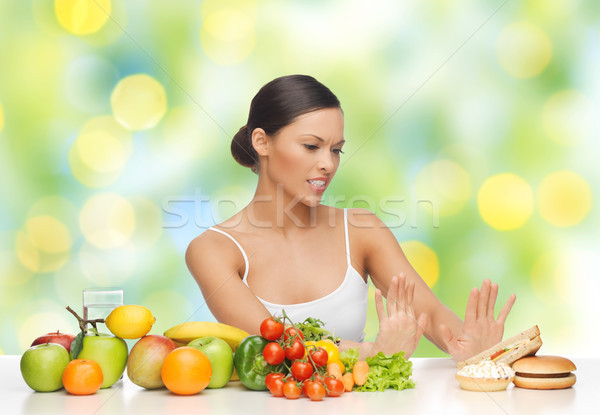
100,152
564,198
138,102
185,137
523,50
569,117
423,259
228,33
551,278
44,244
48,234
107,220
33,325
82,17
12,271
1,117
446,182
505,201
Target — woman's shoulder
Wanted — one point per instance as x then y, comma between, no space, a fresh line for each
211,245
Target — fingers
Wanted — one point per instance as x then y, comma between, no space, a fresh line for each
506,309
422,324
471,313
392,297
379,306
401,299
484,296
492,301
447,335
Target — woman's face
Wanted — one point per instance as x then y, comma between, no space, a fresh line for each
304,155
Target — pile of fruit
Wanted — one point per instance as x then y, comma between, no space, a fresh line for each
287,359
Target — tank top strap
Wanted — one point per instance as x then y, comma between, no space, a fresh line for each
347,238
246,262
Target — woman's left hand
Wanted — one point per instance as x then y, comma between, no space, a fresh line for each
480,329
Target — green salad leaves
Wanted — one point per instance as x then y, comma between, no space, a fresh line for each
385,371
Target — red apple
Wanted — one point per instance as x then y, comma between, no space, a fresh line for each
57,337
146,359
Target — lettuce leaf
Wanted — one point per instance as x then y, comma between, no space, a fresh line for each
349,357
387,372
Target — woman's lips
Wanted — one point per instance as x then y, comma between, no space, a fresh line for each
317,185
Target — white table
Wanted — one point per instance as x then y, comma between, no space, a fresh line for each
437,392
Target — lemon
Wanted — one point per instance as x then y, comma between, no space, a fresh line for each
130,321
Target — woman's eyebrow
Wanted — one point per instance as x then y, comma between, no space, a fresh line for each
342,141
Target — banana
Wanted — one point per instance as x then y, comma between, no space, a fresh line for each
184,333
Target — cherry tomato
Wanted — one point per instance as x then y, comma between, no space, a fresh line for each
315,391
272,376
301,370
291,390
276,385
271,329
319,356
273,353
335,387
291,332
295,351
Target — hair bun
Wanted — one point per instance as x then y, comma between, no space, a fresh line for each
242,150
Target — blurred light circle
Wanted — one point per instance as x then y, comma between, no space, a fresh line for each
184,136
100,152
523,50
423,259
227,35
505,201
87,83
12,271
564,198
82,17
48,234
138,102
107,220
569,117
447,182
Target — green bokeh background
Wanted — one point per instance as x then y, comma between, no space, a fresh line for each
420,82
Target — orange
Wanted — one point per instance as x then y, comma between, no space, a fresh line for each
82,377
186,371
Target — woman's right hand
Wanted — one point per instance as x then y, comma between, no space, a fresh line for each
399,329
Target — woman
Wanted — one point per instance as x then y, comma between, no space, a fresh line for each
286,250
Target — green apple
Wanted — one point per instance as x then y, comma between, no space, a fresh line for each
109,352
42,366
221,359
146,359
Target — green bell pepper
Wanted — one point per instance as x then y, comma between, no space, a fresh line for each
250,365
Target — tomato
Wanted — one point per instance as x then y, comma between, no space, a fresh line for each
291,390
333,352
295,351
335,387
315,391
271,329
276,385
319,356
292,332
273,353
272,376
301,370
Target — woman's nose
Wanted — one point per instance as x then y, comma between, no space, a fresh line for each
326,162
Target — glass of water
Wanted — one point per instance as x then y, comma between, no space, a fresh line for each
99,302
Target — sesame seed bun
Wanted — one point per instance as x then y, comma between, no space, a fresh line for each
544,372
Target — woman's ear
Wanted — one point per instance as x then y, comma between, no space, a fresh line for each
259,141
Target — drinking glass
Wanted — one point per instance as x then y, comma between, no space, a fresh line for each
99,302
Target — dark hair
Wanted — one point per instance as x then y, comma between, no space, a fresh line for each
276,105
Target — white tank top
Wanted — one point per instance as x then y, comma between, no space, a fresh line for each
344,310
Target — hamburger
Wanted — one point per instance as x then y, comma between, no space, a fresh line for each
526,343
544,372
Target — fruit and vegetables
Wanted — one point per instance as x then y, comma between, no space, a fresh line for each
221,359
42,366
130,321
146,359
184,333
57,337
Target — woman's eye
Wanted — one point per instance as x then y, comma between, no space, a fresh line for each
311,146
338,151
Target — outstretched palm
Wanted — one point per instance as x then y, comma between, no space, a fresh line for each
480,329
